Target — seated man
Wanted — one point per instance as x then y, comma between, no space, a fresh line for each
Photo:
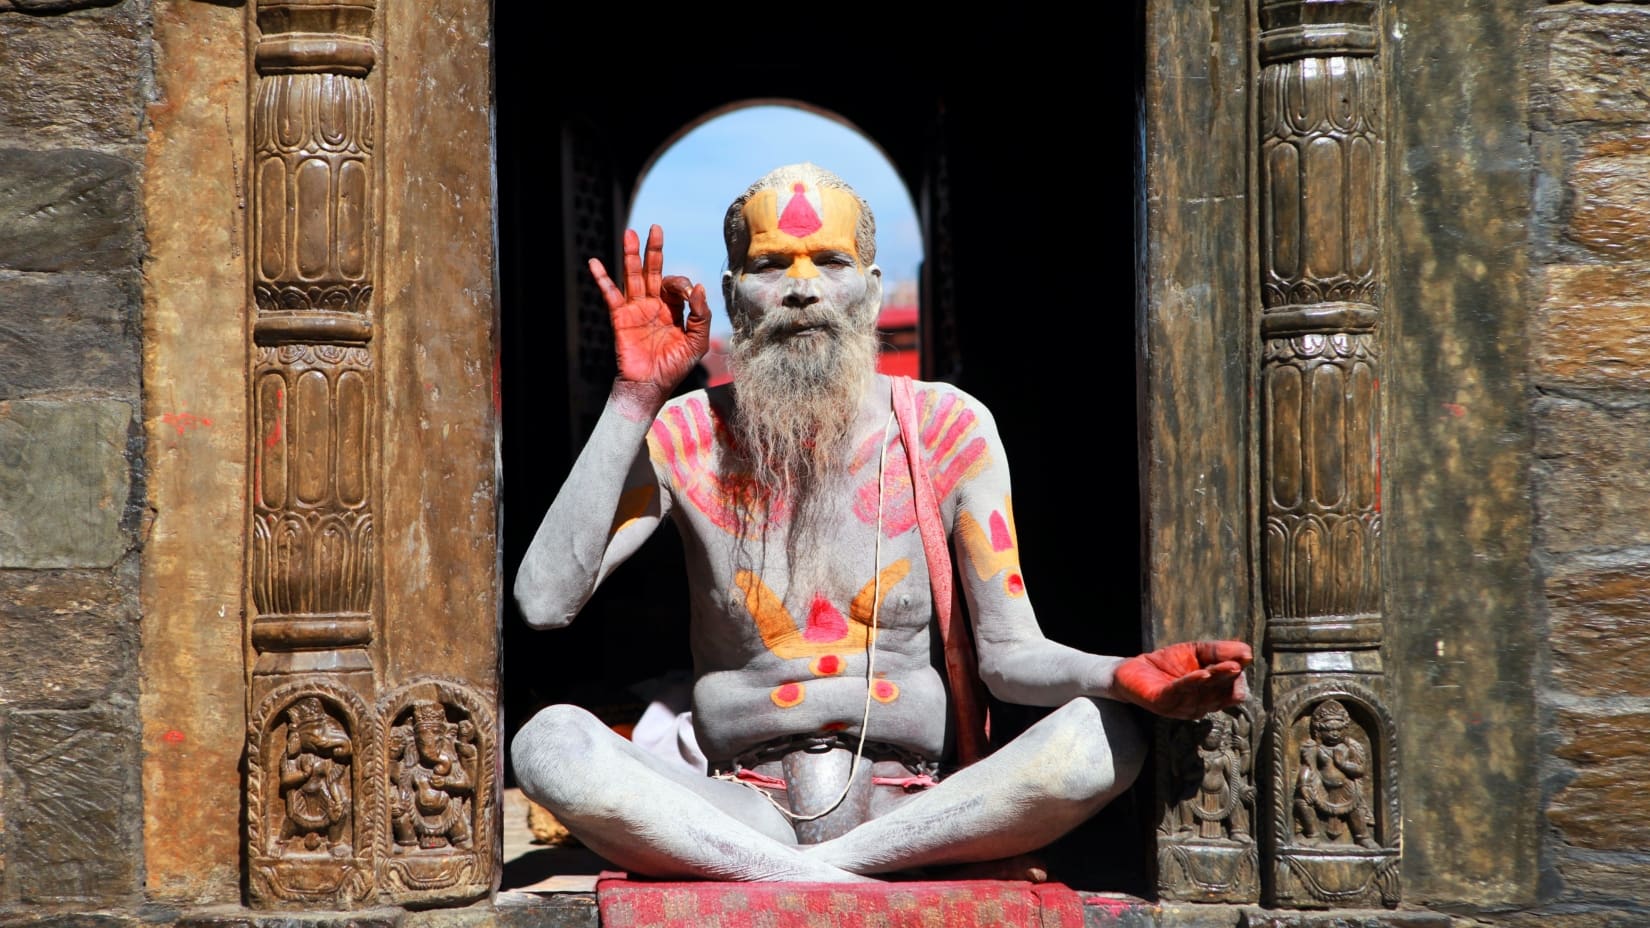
819,695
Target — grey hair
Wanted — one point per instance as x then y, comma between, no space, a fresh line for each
737,234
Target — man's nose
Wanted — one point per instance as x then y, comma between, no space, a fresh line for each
800,294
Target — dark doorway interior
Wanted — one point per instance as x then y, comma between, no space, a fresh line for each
1022,155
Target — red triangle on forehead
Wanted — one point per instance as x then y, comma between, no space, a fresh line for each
799,218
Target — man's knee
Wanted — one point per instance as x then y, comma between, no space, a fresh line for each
1098,751
552,752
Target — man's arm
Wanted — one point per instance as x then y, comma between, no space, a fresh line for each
612,500
1017,662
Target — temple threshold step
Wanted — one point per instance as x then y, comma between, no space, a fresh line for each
730,906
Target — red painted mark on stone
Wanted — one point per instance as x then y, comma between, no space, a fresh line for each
172,737
799,218
825,621
274,437
184,421
1455,409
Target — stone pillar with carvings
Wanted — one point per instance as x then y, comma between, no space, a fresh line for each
1331,830
313,756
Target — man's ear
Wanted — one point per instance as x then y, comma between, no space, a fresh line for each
727,301
873,286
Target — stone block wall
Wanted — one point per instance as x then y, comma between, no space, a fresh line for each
72,488
1590,405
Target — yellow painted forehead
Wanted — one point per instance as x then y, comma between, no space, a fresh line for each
801,219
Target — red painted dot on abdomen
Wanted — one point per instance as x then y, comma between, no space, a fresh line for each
827,665
787,695
884,691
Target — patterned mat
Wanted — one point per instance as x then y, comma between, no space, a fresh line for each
626,903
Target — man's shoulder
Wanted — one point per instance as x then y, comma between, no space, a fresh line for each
938,394
714,401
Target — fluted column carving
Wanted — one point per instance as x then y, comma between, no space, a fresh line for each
314,387
315,750
1331,838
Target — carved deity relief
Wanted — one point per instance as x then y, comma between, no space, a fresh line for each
1331,788
1334,799
311,755
439,809
315,781
432,780
1207,847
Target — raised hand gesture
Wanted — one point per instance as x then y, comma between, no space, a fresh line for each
1186,680
654,346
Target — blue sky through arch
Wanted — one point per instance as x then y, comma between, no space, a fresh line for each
690,186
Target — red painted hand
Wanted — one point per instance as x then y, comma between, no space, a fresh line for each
654,346
1186,680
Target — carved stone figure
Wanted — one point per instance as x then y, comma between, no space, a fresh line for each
315,780
433,773
1217,770
1330,805
822,504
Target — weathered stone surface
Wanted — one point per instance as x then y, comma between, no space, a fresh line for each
1193,333
1593,325
194,342
1345,918
1456,504
65,636
1605,880
439,524
73,80
1596,60
1590,476
1603,807
47,7
551,910
67,210
72,920
63,482
72,819
1592,918
1598,633
68,332
1609,188
366,918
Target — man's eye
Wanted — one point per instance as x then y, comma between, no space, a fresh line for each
764,263
834,259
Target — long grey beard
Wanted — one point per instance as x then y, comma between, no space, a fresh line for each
797,401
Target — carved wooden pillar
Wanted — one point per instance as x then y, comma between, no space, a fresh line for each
314,755
1332,829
